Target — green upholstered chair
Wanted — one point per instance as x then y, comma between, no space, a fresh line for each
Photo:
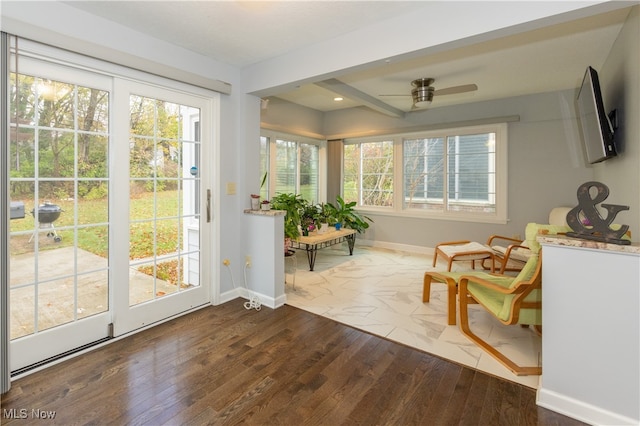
515,255
511,300
529,246
505,254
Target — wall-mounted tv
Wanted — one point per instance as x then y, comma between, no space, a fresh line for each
597,129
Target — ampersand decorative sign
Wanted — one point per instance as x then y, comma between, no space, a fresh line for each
586,221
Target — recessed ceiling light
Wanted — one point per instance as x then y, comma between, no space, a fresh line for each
338,99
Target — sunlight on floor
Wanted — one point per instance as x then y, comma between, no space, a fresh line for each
380,291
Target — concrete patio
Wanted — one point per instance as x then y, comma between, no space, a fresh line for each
58,301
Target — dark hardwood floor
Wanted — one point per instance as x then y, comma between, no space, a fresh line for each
227,365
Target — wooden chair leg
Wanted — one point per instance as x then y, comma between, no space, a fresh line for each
426,288
449,264
503,265
484,265
452,291
466,299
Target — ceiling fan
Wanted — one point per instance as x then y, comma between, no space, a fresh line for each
423,91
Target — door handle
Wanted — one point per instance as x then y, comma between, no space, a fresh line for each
208,205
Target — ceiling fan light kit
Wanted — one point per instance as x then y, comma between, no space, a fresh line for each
422,92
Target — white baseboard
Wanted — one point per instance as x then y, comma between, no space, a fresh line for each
228,296
395,246
580,410
267,301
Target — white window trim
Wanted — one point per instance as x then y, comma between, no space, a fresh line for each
500,216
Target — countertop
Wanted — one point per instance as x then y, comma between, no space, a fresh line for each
265,212
563,240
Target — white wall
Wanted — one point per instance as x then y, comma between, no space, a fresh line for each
284,116
620,81
591,318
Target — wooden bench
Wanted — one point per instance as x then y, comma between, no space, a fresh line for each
312,243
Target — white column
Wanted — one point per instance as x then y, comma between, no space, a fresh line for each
265,277
591,332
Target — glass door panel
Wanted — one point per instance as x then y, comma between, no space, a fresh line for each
59,225
164,184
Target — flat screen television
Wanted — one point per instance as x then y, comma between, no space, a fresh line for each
597,129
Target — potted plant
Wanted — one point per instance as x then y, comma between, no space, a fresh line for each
265,205
255,198
309,218
346,214
255,201
327,217
292,204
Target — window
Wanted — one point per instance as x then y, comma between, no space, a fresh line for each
451,173
292,164
368,173
424,173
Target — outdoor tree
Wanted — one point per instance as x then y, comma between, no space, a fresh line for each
368,173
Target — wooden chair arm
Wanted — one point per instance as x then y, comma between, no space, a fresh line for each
453,243
462,285
500,237
507,253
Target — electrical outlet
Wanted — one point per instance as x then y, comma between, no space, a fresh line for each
247,261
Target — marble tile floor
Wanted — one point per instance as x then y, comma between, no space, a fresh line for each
380,291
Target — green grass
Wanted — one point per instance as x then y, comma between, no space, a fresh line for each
95,238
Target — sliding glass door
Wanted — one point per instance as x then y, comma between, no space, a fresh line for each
110,216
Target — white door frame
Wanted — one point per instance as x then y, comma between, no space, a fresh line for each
129,318
32,349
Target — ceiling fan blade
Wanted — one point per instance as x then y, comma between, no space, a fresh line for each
446,91
456,89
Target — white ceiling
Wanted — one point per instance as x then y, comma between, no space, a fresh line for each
243,33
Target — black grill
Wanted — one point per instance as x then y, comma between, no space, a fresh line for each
47,212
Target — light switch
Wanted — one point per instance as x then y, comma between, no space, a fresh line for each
231,188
